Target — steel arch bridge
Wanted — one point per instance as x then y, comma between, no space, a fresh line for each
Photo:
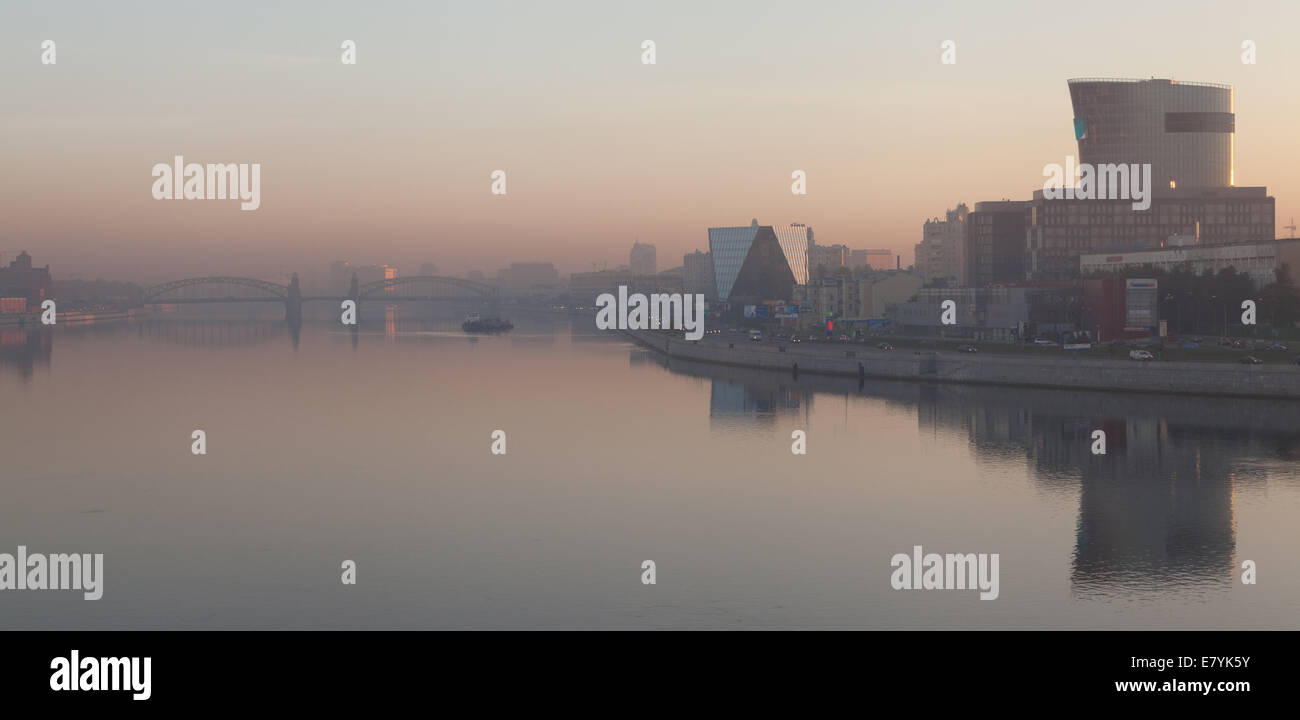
426,287
231,289
264,291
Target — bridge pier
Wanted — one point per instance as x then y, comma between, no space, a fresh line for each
354,294
293,302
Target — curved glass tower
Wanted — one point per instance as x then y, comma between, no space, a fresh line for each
1184,130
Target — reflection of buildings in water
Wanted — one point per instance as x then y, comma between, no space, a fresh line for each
1156,511
22,349
1159,513
733,400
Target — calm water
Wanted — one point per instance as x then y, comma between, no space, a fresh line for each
374,446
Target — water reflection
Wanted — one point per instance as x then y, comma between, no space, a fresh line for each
1155,512
24,349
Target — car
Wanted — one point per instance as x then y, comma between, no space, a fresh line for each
967,349
1143,355
884,346
1191,346
1249,360
756,336
844,338
795,339
1281,347
1044,341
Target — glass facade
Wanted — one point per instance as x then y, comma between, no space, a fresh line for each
1184,130
795,240
729,246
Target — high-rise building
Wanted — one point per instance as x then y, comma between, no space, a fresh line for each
697,275
995,243
796,239
827,258
874,259
641,260
941,253
525,277
1061,230
728,247
21,280
585,287
1183,129
751,263
367,274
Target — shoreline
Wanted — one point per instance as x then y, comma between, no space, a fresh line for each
33,319
862,362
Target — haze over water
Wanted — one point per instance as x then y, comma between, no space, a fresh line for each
374,447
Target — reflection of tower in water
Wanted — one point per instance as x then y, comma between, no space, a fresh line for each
1156,511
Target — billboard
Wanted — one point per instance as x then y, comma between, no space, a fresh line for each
1140,297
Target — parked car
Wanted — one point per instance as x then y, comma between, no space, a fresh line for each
1044,341
967,349
1140,355
1249,360
884,346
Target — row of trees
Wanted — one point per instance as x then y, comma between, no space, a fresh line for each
1210,302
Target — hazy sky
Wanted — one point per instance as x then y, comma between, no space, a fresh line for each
389,160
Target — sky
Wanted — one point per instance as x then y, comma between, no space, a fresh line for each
390,160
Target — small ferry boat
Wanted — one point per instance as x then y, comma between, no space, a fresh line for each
474,323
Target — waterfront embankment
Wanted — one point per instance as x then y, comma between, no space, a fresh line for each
1062,372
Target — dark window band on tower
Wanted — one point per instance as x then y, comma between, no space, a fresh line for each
1185,122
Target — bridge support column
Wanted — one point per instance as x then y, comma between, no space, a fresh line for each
354,294
293,302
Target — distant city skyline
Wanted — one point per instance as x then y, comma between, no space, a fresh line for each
388,162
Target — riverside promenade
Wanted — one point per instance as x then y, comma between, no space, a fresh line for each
1048,371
